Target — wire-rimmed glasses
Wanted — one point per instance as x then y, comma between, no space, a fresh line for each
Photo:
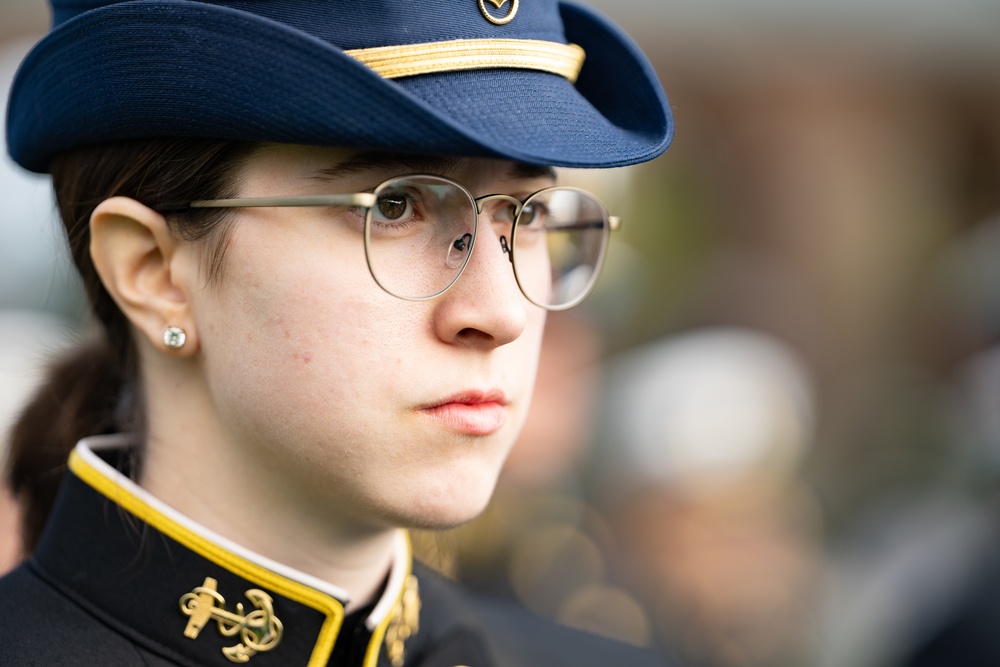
420,231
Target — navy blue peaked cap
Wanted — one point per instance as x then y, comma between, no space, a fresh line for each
491,78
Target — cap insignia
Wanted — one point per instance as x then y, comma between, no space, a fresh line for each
258,631
499,5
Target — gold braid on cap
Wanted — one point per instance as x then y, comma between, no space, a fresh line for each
393,62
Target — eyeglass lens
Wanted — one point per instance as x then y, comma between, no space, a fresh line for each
420,233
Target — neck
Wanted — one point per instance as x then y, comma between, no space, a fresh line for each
197,463
258,513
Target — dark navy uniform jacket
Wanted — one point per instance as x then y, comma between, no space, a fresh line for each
120,579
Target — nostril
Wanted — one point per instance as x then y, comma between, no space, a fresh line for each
473,334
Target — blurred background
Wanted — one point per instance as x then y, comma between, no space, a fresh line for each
772,437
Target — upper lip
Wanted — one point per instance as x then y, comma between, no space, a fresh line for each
471,397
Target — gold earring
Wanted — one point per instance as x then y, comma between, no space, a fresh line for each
174,337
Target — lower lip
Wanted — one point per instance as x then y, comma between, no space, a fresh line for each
470,418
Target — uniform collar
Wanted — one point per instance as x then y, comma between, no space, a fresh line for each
187,592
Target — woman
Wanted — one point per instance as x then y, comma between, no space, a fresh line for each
320,239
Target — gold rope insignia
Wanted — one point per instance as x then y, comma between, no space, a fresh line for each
404,623
392,62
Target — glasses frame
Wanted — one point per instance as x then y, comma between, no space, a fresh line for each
368,201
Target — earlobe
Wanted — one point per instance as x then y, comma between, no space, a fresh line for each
135,253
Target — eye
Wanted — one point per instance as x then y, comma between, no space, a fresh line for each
393,206
533,215
503,212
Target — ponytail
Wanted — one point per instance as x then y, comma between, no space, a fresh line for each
81,396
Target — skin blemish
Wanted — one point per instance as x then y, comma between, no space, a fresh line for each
307,357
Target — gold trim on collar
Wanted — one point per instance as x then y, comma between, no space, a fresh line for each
392,62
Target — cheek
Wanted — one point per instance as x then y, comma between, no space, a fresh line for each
308,342
314,379
298,325
531,339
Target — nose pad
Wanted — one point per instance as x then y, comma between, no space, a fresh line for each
506,248
458,251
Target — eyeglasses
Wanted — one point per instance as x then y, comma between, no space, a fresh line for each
420,230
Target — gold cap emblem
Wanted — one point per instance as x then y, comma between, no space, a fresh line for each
499,5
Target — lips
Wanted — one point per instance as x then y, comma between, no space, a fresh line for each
470,413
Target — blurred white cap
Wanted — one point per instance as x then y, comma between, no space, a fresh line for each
709,405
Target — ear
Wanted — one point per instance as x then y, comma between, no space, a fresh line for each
142,266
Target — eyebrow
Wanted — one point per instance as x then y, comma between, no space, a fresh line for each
418,164
525,170
363,162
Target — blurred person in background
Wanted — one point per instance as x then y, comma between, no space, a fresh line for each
30,339
963,633
10,532
917,584
702,438
312,335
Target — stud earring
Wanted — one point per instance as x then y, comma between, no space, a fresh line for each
174,337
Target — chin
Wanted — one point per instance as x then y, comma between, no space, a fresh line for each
447,505
445,520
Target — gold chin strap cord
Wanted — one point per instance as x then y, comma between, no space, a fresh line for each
393,62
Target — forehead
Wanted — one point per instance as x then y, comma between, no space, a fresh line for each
313,163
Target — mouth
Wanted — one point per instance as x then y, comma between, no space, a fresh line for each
470,413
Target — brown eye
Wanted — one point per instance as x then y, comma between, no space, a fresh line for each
511,213
528,215
392,206
504,212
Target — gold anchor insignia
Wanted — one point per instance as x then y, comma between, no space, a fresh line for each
498,4
259,631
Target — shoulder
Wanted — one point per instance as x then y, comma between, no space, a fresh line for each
41,626
966,633
527,639
515,636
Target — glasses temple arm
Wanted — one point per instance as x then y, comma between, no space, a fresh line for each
614,224
365,199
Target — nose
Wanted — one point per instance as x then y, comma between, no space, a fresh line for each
485,307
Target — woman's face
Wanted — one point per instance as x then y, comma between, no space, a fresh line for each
377,409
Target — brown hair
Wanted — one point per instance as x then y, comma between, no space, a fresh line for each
94,389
